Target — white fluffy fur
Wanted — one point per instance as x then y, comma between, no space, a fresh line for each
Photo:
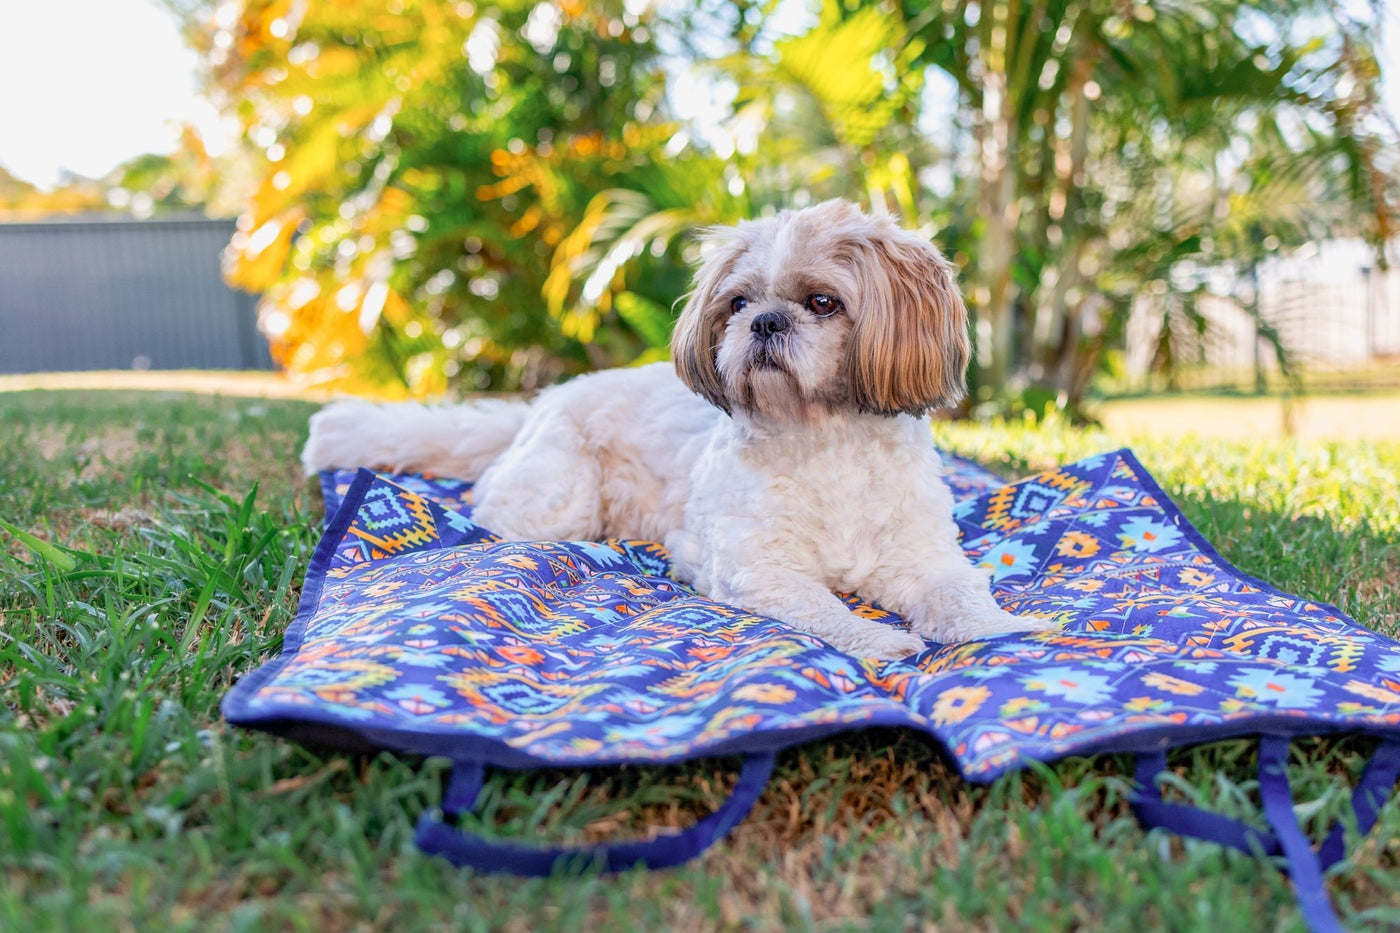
805,479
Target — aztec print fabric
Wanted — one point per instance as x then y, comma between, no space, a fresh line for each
421,632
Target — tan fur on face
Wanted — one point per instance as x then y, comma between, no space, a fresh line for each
900,345
911,348
698,332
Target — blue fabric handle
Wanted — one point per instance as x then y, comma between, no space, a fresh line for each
1304,863
463,787
1187,820
1303,866
1372,791
464,849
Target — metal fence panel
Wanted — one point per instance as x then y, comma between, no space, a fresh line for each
119,294
1335,314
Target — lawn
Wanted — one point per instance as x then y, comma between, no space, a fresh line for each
128,804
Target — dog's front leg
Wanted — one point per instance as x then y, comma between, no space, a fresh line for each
949,600
807,605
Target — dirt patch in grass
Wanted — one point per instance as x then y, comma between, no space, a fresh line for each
1321,417
116,445
93,456
205,382
276,470
1383,591
49,442
117,520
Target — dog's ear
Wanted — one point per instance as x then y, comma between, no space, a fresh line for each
700,327
909,349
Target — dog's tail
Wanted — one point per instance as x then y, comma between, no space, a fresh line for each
443,440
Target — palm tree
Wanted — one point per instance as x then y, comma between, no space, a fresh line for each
1107,142
829,112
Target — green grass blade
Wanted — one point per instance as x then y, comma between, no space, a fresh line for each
59,557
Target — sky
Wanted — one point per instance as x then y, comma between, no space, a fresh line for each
87,84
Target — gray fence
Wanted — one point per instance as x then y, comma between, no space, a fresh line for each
122,294
1336,315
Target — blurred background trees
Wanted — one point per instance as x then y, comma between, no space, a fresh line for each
497,194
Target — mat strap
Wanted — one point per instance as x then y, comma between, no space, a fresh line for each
1284,839
436,836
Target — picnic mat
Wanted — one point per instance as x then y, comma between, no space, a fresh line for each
422,632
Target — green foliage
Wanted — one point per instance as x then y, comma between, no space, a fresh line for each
420,165
1122,149
188,179
462,192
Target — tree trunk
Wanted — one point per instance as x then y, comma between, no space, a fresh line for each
1062,323
998,209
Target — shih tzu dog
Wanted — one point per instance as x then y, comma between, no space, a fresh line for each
785,455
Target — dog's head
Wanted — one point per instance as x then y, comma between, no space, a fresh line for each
819,310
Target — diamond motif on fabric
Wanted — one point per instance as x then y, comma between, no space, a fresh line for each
394,520
1291,651
383,511
1035,499
522,698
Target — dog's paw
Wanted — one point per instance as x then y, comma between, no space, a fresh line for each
881,642
996,622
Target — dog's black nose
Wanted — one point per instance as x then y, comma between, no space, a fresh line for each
769,323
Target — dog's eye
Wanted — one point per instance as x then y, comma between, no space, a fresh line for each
738,304
823,305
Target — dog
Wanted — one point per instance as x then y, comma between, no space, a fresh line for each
784,454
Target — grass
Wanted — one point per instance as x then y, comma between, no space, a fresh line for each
127,803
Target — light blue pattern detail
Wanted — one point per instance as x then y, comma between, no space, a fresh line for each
1274,687
1149,536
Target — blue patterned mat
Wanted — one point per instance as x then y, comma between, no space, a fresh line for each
420,631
